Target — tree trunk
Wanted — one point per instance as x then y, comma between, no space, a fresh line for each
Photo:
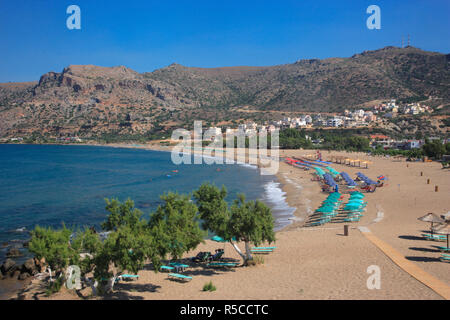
92,285
245,257
50,273
111,282
247,251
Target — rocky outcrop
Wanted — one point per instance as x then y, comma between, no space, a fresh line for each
7,266
13,252
31,267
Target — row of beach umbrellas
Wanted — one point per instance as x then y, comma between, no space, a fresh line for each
329,180
330,204
355,202
332,171
320,172
364,178
348,180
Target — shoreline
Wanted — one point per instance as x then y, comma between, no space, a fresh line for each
158,147
14,285
321,263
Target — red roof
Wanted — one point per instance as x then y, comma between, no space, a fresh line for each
378,136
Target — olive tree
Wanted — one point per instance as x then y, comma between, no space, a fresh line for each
54,246
128,245
247,221
175,226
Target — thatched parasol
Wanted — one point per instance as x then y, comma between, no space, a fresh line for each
446,216
445,230
433,218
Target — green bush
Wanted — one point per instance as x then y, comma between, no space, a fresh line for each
54,286
209,287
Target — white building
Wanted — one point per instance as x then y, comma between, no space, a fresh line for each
334,122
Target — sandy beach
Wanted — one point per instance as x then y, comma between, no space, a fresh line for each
320,262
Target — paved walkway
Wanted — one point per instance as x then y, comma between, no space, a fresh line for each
427,279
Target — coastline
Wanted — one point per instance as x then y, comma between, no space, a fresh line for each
319,262
299,210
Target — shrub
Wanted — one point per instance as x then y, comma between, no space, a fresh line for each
209,287
54,286
258,259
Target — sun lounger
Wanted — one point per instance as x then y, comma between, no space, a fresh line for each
444,249
354,219
127,276
434,237
168,268
179,266
217,256
261,251
318,223
180,276
445,257
201,257
222,264
273,248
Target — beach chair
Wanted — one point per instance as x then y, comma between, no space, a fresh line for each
434,237
167,268
181,277
273,248
179,266
444,249
352,219
127,276
201,257
445,257
261,251
222,264
217,256
319,222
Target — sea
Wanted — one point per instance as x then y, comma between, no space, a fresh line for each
48,185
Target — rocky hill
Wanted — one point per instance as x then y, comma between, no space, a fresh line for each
91,100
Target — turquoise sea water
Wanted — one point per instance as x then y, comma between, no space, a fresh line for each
49,184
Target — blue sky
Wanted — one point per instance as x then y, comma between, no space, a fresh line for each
147,35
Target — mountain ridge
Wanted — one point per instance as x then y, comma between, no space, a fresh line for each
88,99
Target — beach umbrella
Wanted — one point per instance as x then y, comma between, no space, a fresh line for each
218,239
446,216
352,206
446,231
357,196
325,210
221,240
431,217
357,201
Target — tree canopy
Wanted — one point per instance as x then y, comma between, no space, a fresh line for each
247,221
175,225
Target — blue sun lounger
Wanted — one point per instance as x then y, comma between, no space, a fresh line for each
445,257
179,266
168,268
261,251
180,276
222,264
435,237
127,276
